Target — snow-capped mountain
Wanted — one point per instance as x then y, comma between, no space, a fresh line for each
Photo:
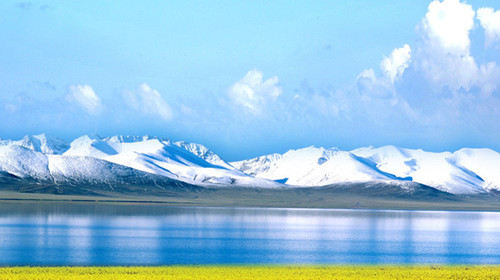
484,162
467,171
146,160
40,143
443,171
28,164
314,167
188,162
91,158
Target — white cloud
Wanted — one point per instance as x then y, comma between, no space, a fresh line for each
444,78
449,70
489,75
369,85
253,93
441,63
444,56
148,101
394,65
85,96
447,24
490,21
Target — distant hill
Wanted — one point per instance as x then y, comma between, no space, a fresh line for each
145,165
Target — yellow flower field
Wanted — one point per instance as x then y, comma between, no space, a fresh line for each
253,272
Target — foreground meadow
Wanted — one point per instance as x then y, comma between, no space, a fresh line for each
253,272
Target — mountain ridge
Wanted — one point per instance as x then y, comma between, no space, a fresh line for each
459,172
116,159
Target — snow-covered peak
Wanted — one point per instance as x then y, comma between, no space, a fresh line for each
85,140
313,166
189,162
51,145
89,137
39,143
381,152
439,170
188,153
466,171
312,154
389,159
24,162
484,162
481,152
204,153
133,139
258,165
90,146
125,139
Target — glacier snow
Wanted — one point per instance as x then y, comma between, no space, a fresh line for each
91,158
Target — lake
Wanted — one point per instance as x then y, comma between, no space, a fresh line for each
93,234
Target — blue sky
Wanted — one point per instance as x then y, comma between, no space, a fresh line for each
248,78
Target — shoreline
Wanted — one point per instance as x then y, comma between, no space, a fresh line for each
261,198
169,204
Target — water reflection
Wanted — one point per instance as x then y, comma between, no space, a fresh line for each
69,234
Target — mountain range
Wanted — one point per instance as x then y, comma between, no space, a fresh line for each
152,164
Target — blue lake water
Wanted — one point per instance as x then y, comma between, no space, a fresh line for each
158,235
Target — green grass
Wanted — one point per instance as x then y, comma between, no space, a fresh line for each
253,272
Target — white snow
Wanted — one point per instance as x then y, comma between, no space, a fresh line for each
24,163
467,171
189,162
314,167
93,158
484,162
39,143
439,170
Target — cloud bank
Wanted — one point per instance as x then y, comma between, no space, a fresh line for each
86,98
490,21
439,82
148,101
253,93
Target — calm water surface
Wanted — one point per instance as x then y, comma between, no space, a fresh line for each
43,234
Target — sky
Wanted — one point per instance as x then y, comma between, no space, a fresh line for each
248,78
